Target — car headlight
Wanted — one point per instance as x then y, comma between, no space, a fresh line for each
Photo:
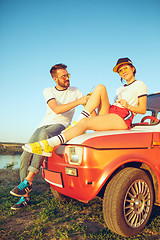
74,154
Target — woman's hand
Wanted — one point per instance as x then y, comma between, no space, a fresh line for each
140,108
123,103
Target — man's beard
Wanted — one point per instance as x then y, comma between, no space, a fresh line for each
66,84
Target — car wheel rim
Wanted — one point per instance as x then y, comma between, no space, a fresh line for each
137,203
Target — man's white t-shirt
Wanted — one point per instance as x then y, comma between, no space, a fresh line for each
62,97
131,93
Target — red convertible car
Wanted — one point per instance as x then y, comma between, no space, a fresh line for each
122,167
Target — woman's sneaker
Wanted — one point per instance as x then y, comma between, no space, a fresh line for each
21,190
23,202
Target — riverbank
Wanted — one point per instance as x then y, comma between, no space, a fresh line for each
10,161
11,148
49,219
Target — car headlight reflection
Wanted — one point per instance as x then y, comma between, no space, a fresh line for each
74,154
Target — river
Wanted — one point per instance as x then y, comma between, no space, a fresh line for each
9,159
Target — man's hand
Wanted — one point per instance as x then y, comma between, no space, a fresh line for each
83,100
68,106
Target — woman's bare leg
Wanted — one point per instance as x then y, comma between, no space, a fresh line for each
98,99
104,121
98,123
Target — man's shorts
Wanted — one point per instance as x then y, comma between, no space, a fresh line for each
124,113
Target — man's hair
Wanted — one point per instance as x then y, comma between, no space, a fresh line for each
54,69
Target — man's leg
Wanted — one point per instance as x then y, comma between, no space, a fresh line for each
26,159
35,161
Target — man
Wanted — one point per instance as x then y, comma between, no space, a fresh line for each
61,102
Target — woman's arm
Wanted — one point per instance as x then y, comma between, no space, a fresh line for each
141,108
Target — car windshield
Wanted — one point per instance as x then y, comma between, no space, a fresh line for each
153,106
138,117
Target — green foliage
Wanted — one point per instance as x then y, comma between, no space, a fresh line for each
48,218
10,166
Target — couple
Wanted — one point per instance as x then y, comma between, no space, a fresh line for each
130,99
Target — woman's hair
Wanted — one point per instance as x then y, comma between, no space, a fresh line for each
54,69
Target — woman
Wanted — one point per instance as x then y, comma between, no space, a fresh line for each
130,100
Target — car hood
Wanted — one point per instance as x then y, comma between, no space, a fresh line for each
114,139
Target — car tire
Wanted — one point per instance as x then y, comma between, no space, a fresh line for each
60,196
128,202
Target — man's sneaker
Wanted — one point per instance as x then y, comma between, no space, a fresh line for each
21,190
23,202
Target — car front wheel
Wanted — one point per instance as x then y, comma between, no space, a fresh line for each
128,201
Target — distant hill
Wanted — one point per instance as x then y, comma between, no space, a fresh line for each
7,148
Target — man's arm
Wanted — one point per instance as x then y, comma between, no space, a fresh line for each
68,106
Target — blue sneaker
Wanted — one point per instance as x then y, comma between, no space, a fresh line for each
22,189
23,202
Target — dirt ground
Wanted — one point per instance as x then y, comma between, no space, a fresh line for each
11,178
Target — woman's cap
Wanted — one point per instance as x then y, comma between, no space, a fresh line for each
122,61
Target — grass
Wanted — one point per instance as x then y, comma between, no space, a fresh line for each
48,218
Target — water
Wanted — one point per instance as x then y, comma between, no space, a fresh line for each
9,159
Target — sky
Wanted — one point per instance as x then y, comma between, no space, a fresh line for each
89,36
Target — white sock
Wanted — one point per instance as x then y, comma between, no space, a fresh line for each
83,114
56,140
